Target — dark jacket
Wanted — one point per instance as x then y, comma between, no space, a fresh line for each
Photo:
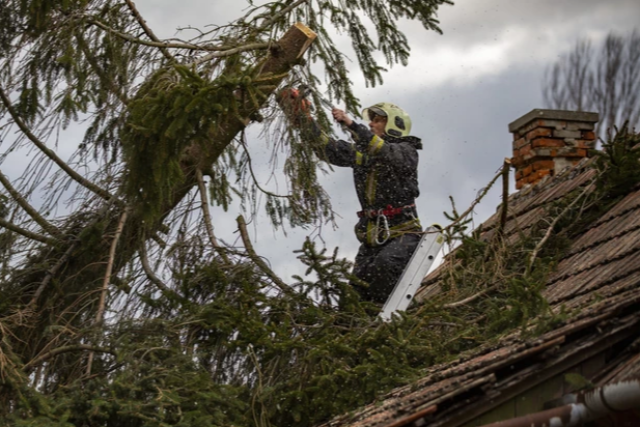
385,171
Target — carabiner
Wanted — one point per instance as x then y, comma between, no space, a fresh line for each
386,231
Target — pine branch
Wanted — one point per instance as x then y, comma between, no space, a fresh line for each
207,218
469,299
150,274
242,225
253,176
296,42
51,155
66,349
216,51
98,69
52,271
107,279
547,234
233,51
26,233
273,18
47,226
147,29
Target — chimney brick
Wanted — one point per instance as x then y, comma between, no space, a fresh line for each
546,141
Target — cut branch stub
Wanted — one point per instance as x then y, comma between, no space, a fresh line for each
283,56
289,49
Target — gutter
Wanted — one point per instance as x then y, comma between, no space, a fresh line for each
591,405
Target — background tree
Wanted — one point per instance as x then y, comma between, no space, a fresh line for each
605,80
118,304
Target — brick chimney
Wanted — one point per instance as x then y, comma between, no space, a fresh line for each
546,141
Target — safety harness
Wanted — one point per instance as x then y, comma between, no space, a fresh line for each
378,232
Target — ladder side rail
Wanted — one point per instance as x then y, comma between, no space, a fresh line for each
415,270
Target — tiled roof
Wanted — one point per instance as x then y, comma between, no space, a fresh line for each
597,282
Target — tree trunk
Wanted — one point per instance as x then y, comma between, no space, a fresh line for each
70,294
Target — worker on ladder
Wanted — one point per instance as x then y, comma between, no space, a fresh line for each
384,159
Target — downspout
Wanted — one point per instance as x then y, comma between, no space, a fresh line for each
591,405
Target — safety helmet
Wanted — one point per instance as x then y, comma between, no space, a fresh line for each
398,121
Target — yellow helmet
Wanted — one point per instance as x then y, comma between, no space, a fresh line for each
398,121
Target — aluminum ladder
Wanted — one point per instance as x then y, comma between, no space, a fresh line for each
417,268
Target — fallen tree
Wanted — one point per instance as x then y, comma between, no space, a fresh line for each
125,308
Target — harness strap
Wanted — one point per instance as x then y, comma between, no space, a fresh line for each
375,236
388,212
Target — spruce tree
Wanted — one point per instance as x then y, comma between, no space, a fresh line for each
127,310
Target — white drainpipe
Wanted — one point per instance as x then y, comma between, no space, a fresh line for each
592,405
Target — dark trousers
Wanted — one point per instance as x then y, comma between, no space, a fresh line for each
382,266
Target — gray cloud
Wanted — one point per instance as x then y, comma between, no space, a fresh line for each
462,89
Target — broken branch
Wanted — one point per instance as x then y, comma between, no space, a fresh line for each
504,209
475,202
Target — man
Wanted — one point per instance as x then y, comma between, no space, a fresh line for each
384,159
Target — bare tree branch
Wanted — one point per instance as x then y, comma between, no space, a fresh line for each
26,233
242,225
233,51
469,299
216,51
207,218
107,274
30,210
606,81
51,155
107,279
147,29
150,274
547,234
475,202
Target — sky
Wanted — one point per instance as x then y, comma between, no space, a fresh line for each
461,89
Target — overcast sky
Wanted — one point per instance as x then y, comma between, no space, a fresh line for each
461,89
